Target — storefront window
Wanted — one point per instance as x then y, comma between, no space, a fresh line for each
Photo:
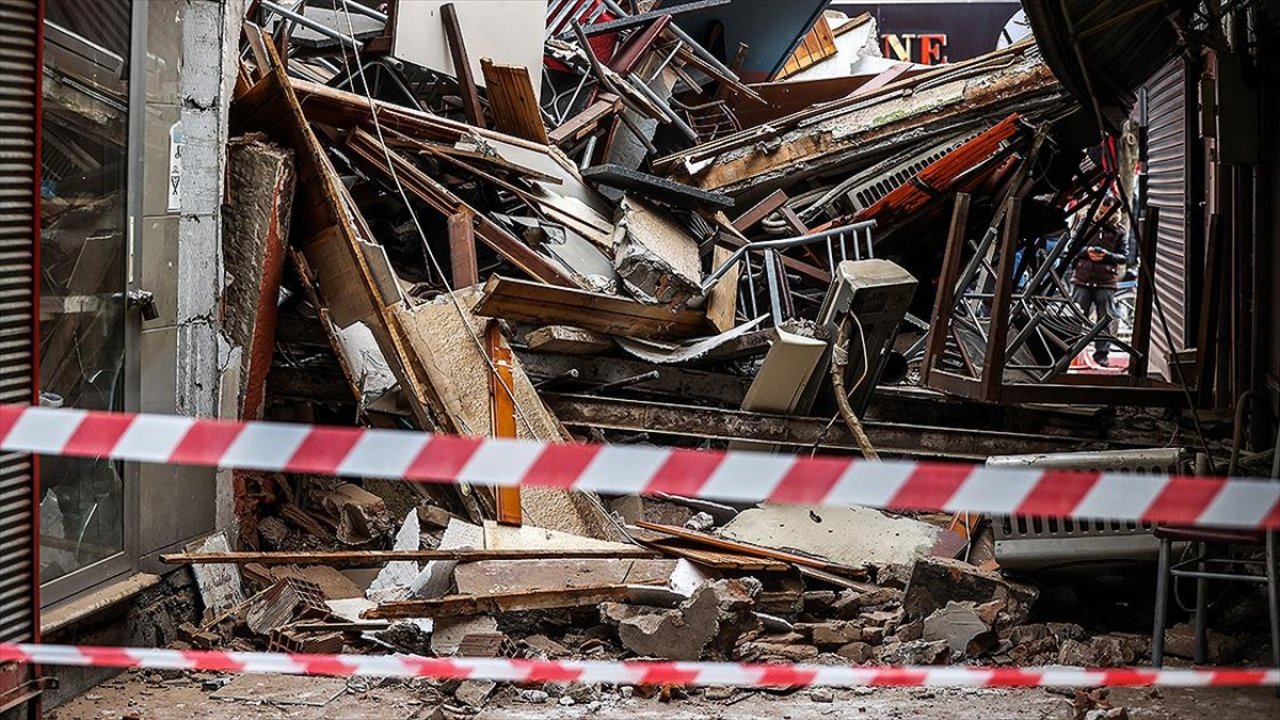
83,251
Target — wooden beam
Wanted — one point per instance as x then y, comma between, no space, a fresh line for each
756,550
760,211
945,298
371,557
503,414
686,423
609,314
462,66
462,248
722,301
513,102
1002,304
587,121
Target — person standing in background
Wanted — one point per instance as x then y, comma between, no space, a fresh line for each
1097,273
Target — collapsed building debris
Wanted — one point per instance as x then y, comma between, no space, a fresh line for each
627,242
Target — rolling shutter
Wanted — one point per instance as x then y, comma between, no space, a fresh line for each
20,73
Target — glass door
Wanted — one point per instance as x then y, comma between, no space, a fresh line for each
84,251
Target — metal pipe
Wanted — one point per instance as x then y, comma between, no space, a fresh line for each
364,10
771,276
310,24
567,375
627,382
663,107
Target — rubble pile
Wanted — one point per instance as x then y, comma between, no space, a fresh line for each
610,232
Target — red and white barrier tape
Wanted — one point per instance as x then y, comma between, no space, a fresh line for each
627,672
617,469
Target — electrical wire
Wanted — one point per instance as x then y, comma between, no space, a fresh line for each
395,178
373,110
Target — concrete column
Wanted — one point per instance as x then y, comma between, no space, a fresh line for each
210,38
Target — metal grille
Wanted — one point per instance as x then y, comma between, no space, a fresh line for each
1167,190
1034,542
19,123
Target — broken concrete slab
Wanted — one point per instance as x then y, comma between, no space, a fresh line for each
916,652
361,516
448,633
496,576
219,583
853,536
960,626
531,537
656,258
708,623
393,581
437,575
936,581
636,508
255,231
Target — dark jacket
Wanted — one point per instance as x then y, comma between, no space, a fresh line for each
1106,272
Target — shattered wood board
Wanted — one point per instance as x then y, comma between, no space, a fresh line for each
853,536
458,373
325,233
513,101
541,304
282,689
567,340
498,576
445,343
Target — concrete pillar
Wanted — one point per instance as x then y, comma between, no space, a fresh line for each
210,38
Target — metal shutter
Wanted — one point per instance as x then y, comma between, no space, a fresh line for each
1167,190
19,162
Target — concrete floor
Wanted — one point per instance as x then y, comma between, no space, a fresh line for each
183,697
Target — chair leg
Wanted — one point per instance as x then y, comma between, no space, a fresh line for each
1162,605
1202,607
1273,595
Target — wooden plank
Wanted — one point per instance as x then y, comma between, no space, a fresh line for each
609,314
502,405
1002,305
463,605
760,211
462,248
722,301
513,102
945,299
756,551
462,66
374,557
587,121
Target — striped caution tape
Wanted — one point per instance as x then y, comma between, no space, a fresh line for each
617,469
627,672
